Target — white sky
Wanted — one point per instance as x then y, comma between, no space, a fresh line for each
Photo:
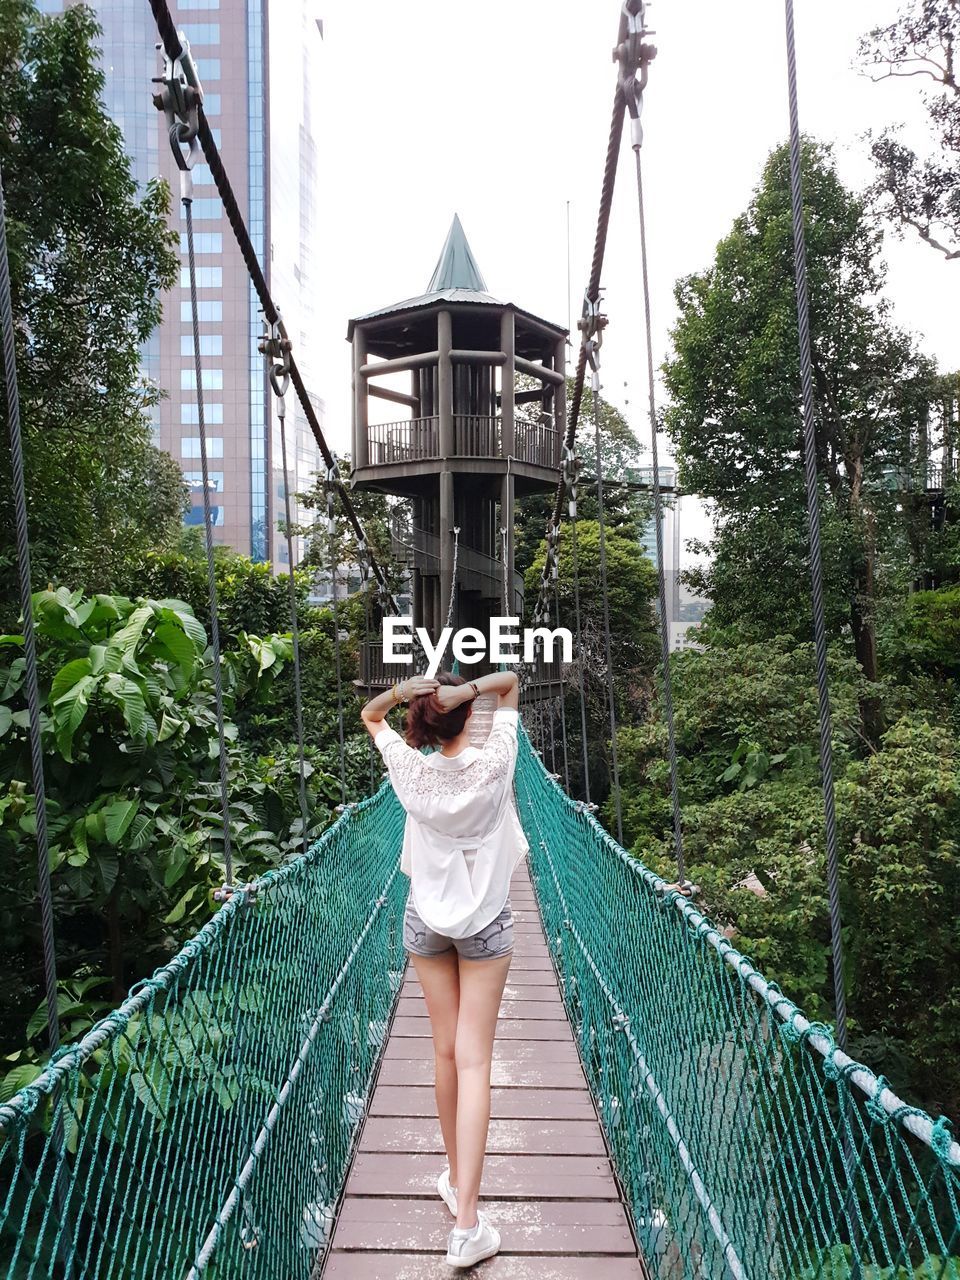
500,112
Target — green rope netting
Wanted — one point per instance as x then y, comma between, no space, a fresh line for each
206,1126
747,1145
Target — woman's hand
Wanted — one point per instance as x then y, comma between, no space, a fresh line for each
454,695
416,686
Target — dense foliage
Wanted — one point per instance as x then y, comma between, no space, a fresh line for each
745,702
89,258
134,813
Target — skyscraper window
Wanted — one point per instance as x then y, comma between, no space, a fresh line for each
195,480
195,515
207,277
190,414
206,208
211,344
203,242
190,447
206,311
202,32
212,380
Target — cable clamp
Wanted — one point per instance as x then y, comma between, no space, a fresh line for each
633,56
249,892
682,888
180,100
591,324
276,348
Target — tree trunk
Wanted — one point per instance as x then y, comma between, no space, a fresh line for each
864,631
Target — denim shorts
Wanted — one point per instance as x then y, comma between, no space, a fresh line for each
494,939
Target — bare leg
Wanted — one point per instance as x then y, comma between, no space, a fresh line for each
481,989
439,977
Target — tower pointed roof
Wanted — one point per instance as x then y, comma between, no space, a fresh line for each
456,278
457,267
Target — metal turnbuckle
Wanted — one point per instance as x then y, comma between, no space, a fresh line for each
180,99
591,324
633,56
276,347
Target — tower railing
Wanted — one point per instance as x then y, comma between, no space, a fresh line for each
537,442
404,441
475,435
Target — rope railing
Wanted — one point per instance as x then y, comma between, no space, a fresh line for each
729,1115
214,1113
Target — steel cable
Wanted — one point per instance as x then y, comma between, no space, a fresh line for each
334,565
208,543
29,636
608,649
32,682
581,663
174,50
813,515
294,619
664,627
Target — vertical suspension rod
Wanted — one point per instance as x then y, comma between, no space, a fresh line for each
813,515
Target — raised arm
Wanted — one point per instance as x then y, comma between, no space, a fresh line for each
374,712
503,683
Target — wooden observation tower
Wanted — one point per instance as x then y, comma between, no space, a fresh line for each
469,441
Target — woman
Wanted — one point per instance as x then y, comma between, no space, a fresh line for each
461,843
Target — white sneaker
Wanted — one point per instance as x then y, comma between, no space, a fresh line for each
448,1194
464,1248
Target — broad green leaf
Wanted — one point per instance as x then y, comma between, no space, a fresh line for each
108,866
68,676
96,827
128,637
180,910
118,817
169,725
176,868
177,644
6,719
130,700
18,1079
69,711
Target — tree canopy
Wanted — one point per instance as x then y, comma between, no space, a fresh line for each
734,412
920,192
90,255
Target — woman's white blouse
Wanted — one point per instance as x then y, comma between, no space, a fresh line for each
462,838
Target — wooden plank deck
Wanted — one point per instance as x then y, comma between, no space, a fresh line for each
547,1181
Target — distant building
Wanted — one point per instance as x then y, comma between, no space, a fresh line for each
258,62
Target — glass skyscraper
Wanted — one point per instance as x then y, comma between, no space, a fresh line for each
262,118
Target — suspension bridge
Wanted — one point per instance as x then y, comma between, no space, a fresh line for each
260,1105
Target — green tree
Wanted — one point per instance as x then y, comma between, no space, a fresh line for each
130,759
734,413
747,728
89,257
920,192
625,504
632,588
